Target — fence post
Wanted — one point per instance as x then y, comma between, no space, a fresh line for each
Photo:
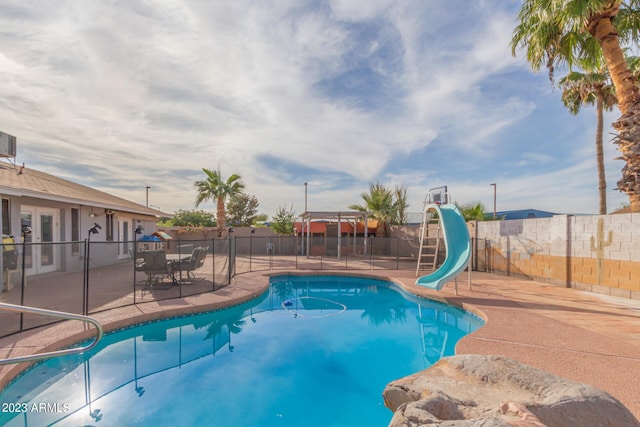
475,252
231,258
486,256
85,272
346,258
251,248
23,278
271,251
373,243
135,260
93,230
228,260
213,263
179,268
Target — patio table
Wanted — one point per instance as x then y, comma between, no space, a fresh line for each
178,257
175,260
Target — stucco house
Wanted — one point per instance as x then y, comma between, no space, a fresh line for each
60,213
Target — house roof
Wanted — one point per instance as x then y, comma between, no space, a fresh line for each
24,182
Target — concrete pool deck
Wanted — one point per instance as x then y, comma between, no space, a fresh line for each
575,334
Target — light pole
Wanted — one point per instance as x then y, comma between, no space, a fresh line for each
305,196
495,186
147,195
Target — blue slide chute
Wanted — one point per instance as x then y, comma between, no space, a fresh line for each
457,244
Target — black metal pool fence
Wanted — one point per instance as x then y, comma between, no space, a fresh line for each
86,277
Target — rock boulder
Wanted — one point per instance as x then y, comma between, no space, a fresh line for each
495,391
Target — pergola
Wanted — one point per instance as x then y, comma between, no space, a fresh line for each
350,217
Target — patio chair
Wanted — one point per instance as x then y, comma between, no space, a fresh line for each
194,262
138,263
156,266
185,249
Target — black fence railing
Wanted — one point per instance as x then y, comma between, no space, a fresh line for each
87,277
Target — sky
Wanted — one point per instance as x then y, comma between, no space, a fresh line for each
340,94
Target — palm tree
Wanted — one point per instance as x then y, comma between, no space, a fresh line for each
591,88
474,212
216,188
564,31
380,205
402,204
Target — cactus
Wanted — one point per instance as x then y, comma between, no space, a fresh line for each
598,245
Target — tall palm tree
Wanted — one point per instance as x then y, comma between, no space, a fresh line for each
380,204
591,88
562,31
214,187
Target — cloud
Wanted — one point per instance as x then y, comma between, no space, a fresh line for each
334,93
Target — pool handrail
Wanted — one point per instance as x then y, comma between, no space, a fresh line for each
57,314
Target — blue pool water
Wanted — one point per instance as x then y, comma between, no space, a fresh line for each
311,351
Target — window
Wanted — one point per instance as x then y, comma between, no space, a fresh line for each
6,225
75,231
109,230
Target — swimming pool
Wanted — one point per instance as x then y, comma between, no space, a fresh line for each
312,351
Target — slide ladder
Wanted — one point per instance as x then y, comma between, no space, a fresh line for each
429,244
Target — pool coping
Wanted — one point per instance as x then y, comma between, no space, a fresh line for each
560,330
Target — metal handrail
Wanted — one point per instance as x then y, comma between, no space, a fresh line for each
56,314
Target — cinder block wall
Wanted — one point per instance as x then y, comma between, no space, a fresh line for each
599,253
